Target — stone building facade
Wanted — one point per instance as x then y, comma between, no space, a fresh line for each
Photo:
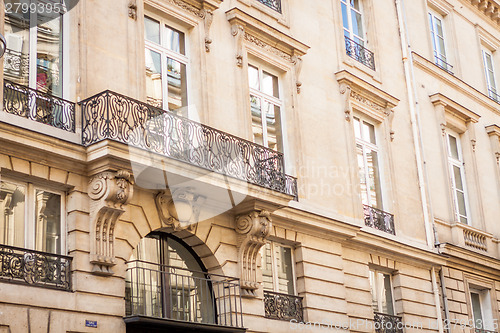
258,165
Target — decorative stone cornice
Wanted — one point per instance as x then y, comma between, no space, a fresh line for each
179,209
253,229
490,8
110,192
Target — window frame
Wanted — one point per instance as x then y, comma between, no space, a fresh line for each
30,218
376,287
438,60
459,163
274,267
350,31
487,318
490,76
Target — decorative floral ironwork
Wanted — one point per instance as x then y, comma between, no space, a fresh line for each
162,291
35,268
385,323
379,219
360,53
109,115
283,306
273,4
38,106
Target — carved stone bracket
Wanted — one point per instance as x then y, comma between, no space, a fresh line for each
253,229
208,17
132,9
110,192
238,31
345,90
297,63
179,209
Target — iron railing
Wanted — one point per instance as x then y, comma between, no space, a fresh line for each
493,95
161,291
283,306
38,106
359,53
480,330
379,219
441,63
385,323
273,4
112,116
23,266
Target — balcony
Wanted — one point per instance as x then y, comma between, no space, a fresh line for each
359,53
35,268
273,4
111,116
493,95
283,306
480,330
164,297
441,63
378,219
385,323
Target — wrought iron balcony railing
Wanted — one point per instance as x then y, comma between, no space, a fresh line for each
283,306
38,106
359,53
112,116
480,330
161,291
273,4
379,219
494,95
441,63
18,265
385,323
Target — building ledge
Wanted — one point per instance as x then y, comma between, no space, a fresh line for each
142,324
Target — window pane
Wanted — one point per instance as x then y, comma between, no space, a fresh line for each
16,59
174,40
273,126
439,27
345,19
368,132
154,90
357,128
48,222
152,30
270,84
374,179
362,175
374,291
453,146
256,110
284,270
461,204
458,178
267,267
12,205
387,305
177,88
49,56
355,4
357,25
253,78
476,310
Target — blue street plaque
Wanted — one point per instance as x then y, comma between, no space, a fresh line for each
91,323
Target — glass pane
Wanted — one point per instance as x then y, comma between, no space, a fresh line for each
177,87
253,78
439,27
345,19
374,291
457,174
476,310
357,128
453,146
174,40
441,50
49,56
461,204
387,305
374,179
256,110
154,91
270,84
16,58
273,126
267,267
355,4
357,25
152,30
284,270
12,206
362,175
48,222
368,132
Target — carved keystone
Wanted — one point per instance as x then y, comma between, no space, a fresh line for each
253,229
181,209
110,192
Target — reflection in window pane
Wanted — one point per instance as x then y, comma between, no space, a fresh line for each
357,25
48,222
12,218
270,85
368,132
388,307
373,178
357,128
362,175
154,90
253,77
152,30
273,125
256,110
345,20
177,88
174,40
16,59
49,57
284,268
458,178
461,203
476,310
453,146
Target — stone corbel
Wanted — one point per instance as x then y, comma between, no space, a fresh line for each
472,134
483,4
132,9
179,209
253,229
238,31
297,63
110,192
208,17
345,90
389,113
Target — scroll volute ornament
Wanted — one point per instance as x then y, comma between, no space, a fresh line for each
110,192
253,229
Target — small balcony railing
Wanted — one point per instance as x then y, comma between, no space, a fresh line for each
480,330
441,63
22,266
359,53
283,306
385,323
378,219
160,291
273,4
112,116
494,95
38,106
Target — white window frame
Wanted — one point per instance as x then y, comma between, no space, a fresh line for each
368,145
484,307
275,266
350,31
440,59
491,83
30,214
453,162
166,53
378,297
270,99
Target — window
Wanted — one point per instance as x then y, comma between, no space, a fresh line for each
367,156
166,65
34,54
273,4
481,309
381,289
277,268
438,44
456,165
490,75
266,106
32,217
